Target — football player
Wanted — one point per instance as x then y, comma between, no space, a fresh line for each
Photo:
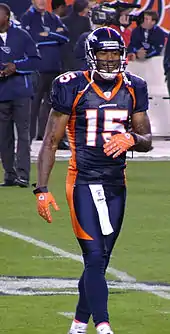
96,106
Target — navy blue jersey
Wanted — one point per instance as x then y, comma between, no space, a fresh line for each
97,110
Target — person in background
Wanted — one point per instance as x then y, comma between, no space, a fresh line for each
80,52
123,26
96,105
147,40
19,58
78,16
79,48
59,7
49,33
167,63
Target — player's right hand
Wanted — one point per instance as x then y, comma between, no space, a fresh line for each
44,200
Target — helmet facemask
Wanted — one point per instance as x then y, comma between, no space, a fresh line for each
106,68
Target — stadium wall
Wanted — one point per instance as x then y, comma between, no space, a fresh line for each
159,101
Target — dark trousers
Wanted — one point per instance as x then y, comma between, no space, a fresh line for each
168,81
15,112
40,109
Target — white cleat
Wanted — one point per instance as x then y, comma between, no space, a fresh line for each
78,328
104,329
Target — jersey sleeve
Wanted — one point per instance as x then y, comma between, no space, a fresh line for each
62,96
141,95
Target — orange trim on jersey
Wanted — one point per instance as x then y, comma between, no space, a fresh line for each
132,93
70,181
71,132
100,92
79,95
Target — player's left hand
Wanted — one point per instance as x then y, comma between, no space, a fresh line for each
118,144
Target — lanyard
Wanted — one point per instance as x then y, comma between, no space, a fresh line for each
146,35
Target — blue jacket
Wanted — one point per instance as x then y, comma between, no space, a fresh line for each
167,56
21,50
49,46
80,53
76,25
151,40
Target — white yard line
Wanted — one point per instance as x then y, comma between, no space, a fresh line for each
162,294
128,281
38,283
69,315
31,286
51,257
123,276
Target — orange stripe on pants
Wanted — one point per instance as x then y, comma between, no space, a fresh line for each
70,181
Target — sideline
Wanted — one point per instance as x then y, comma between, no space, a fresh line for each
122,276
37,285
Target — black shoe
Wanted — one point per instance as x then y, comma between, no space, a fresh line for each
22,183
8,183
63,145
39,138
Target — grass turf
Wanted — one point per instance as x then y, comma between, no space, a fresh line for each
142,251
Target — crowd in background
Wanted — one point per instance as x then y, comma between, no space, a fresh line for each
42,46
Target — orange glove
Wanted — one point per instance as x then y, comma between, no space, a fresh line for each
118,144
44,199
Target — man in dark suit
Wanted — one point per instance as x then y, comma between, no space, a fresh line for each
77,23
19,58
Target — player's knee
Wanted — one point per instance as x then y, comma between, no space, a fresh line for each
95,260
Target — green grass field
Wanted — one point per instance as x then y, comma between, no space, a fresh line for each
142,252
